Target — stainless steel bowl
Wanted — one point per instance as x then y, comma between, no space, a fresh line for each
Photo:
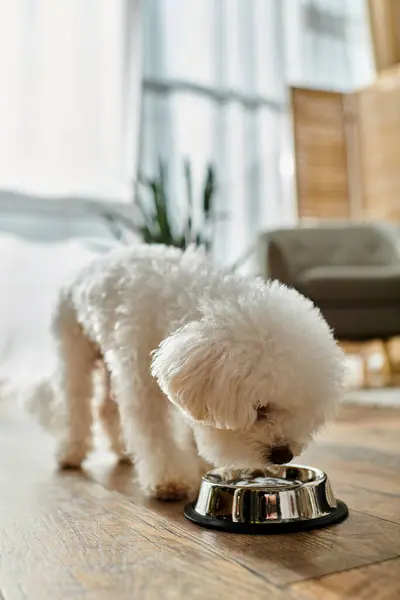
287,498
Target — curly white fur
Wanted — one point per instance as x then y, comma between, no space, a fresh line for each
190,353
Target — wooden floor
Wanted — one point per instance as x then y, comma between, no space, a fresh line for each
89,535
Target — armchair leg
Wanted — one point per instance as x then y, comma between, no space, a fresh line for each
389,373
391,365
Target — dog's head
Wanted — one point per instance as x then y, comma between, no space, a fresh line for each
256,376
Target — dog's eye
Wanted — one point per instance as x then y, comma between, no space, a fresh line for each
262,413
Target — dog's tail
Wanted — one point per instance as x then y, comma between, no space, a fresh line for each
42,402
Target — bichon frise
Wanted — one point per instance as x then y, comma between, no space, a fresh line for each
200,365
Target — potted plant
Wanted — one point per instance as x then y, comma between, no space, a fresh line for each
158,226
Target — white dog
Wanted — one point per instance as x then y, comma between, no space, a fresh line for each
203,365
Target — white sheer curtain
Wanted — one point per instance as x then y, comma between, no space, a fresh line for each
215,90
69,96
70,81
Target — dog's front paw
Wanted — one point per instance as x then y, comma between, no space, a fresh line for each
171,479
172,491
171,487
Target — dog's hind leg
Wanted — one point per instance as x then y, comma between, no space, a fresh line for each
74,385
111,420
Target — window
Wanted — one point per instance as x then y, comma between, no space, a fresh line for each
69,85
215,90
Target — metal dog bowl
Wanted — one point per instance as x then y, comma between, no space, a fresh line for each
287,498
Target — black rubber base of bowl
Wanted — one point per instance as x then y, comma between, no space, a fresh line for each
339,514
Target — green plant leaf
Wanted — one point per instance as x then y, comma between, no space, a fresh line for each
143,180
208,193
160,201
148,209
189,195
162,170
180,242
188,179
146,234
158,226
147,214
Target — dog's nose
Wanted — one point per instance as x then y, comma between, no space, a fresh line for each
280,455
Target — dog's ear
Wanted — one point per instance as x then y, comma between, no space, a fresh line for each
197,369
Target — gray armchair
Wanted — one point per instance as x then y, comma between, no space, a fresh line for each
351,272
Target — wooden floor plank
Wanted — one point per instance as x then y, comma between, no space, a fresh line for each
361,454
70,538
64,536
354,470
358,426
92,535
282,559
376,582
